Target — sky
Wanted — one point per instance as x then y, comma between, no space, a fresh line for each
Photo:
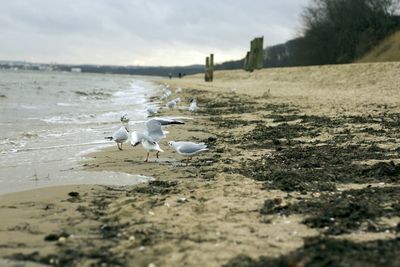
142,32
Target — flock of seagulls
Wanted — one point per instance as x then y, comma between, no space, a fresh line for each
150,138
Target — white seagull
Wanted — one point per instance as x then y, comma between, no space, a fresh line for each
188,149
152,110
171,104
152,136
120,136
147,142
193,105
124,118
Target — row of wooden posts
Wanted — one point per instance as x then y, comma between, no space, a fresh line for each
254,59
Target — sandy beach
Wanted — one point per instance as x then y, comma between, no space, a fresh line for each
303,168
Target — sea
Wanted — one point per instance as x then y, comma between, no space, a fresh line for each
49,122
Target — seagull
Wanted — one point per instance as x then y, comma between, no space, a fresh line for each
193,105
151,110
171,104
147,142
166,93
154,133
188,149
124,118
120,136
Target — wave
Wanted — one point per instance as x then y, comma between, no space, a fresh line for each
98,142
107,117
61,104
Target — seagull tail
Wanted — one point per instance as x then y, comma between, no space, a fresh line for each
108,138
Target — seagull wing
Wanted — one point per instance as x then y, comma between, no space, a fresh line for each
154,130
190,147
137,137
121,135
165,121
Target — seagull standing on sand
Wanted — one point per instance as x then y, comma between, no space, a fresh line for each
151,110
171,104
120,136
147,142
152,136
193,105
188,149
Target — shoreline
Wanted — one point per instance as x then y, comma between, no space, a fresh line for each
241,202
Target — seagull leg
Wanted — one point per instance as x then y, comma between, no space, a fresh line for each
158,152
120,148
147,158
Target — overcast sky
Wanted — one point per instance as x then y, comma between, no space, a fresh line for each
142,32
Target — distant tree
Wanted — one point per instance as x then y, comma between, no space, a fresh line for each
339,31
283,55
230,65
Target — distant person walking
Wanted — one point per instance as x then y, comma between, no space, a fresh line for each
180,75
170,75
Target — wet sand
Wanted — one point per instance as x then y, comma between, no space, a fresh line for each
303,168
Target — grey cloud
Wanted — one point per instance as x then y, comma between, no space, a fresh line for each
132,31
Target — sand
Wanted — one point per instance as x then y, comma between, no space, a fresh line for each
250,199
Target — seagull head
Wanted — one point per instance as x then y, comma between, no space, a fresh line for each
124,118
135,139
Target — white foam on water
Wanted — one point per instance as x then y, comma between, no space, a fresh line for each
61,104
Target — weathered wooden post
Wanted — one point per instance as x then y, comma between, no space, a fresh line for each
260,53
251,56
206,77
255,57
211,69
246,64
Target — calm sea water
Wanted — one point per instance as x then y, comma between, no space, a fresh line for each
50,120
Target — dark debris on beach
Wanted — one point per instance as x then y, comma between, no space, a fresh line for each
294,164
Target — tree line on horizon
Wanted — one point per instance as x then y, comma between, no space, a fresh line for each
334,32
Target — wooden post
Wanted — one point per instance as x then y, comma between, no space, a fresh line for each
206,77
246,64
211,69
253,52
260,53
255,57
